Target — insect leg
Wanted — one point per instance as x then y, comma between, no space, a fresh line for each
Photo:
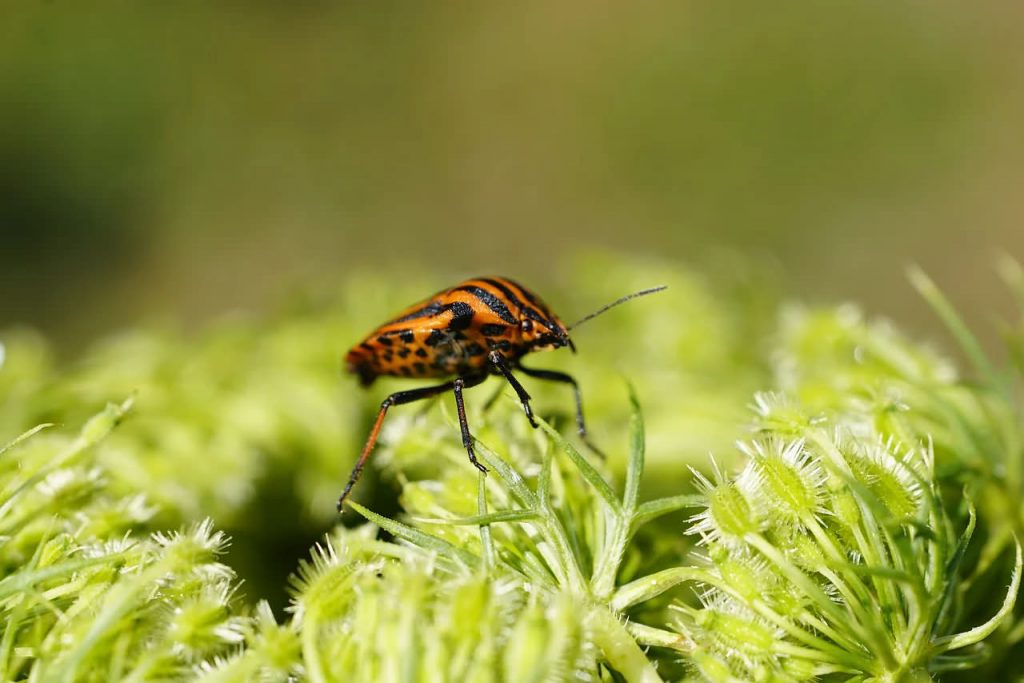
581,425
395,399
467,439
498,361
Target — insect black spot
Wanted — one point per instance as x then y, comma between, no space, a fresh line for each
419,367
435,338
365,372
367,346
387,356
462,315
421,352
475,349
492,330
407,336
384,340
404,371
403,353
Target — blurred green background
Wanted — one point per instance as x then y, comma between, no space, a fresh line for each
189,158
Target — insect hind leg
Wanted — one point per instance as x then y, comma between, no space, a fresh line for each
467,439
395,399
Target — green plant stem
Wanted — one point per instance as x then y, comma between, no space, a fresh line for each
978,633
486,542
121,600
647,635
948,314
619,648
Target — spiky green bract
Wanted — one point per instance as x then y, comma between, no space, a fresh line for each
512,576
835,551
373,611
826,551
839,364
81,597
852,566
215,416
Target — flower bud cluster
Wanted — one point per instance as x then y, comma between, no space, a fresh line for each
820,554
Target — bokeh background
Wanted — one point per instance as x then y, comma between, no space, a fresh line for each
185,159
165,165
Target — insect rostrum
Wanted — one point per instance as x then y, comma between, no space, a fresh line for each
480,327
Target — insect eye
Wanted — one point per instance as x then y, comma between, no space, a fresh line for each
527,325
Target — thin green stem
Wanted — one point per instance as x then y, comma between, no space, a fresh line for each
486,542
619,647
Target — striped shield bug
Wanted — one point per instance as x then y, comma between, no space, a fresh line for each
480,327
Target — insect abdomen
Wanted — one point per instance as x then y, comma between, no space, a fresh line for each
449,334
404,352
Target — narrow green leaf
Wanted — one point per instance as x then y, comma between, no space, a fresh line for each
979,633
509,476
635,466
23,580
810,588
544,480
881,572
27,435
1012,275
651,586
417,537
94,431
653,509
950,580
1015,634
489,518
956,326
1015,349
553,531
13,620
959,662
588,471
124,597
657,637
486,542
619,648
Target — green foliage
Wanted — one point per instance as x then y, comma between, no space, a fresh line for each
255,402
831,553
863,530
83,598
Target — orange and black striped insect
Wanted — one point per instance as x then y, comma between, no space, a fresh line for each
477,328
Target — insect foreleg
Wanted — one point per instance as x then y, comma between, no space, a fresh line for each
499,362
555,376
398,398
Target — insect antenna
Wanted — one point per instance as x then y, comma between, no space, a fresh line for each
620,300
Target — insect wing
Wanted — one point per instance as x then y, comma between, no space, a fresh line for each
424,340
